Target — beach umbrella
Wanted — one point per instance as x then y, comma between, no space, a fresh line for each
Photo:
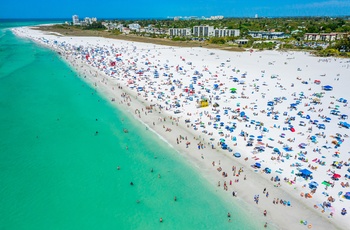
336,176
237,155
233,89
327,88
313,184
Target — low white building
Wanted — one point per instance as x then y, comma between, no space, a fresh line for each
134,26
181,32
267,35
323,36
226,33
218,17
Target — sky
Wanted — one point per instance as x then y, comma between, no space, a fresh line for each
163,8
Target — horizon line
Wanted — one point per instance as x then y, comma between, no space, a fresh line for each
170,17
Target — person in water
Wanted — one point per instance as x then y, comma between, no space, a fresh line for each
131,183
161,220
228,214
175,198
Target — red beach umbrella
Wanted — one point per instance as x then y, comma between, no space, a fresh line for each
336,176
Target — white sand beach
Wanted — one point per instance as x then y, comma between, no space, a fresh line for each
273,108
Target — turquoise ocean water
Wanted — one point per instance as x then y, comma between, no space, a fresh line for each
56,173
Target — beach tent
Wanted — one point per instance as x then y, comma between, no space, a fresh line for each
326,183
342,100
267,170
305,173
347,195
237,155
327,88
344,124
344,116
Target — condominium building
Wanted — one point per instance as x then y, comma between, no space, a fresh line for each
203,31
75,19
181,32
323,36
88,20
267,35
226,33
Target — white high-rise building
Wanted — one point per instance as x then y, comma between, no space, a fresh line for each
203,31
88,21
256,15
75,20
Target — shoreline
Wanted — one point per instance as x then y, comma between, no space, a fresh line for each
246,188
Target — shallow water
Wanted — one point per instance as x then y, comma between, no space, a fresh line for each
61,143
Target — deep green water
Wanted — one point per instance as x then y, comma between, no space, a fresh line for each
56,173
